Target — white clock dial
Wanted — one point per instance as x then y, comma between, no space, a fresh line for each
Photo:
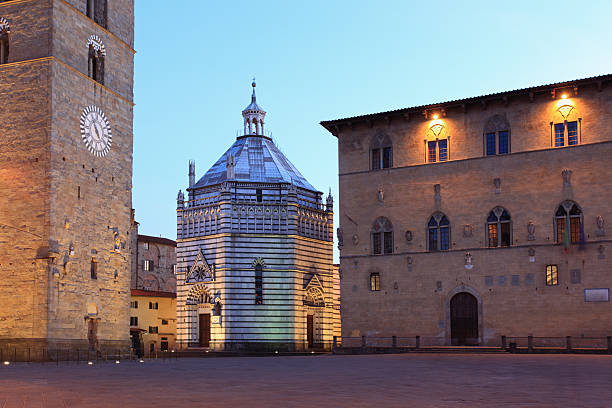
96,131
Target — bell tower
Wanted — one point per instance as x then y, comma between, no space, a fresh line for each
66,79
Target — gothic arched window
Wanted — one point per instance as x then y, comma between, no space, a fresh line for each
95,62
566,124
438,233
382,236
499,228
381,152
497,136
4,40
568,223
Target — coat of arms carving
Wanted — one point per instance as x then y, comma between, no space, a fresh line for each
200,271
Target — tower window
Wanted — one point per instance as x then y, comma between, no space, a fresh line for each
4,41
96,65
148,265
97,11
259,194
258,284
94,268
552,275
375,281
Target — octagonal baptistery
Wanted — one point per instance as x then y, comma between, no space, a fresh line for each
254,252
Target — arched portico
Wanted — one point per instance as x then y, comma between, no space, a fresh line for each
198,307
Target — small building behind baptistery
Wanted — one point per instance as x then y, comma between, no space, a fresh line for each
254,252
479,218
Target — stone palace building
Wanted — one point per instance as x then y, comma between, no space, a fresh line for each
469,220
254,252
66,80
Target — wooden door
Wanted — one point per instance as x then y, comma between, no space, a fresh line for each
205,330
310,330
92,333
464,319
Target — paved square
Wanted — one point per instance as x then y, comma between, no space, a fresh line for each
406,380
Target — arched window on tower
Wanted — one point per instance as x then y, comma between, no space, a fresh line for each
382,236
95,63
4,40
568,223
258,265
97,11
381,152
499,228
438,233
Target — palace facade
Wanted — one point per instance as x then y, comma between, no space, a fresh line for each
469,220
254,252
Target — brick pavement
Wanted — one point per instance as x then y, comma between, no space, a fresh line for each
407,380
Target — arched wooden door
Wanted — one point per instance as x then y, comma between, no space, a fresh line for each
464,319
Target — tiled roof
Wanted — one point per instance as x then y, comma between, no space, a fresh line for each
152,293
328,124
258,160
159,240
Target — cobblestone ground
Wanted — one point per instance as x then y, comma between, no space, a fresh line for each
407,380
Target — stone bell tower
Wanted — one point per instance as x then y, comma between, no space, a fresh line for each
66,80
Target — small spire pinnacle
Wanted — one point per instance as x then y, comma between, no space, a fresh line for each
253,97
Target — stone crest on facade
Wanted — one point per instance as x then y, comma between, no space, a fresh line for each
468,230
601,231
497,184
530,231
355,239
340,235
468,261
201,271
567,178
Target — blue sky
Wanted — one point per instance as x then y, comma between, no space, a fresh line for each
321,60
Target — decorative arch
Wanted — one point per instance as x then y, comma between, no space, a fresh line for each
382,236
381,151
199,294
200,271
96,43
496,123
438,232
314,297
151,282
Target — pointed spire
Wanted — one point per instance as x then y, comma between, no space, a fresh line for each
253,97
253,116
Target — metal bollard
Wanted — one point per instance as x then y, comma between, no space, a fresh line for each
503,341
568,343
394,342
530,343
418,341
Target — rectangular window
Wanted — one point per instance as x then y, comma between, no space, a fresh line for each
259,195
174,269
552,275
376,243
145,245
505,234
575,229
388,240
572,133
153,329
491,144
560,229
387,158
503,142
375,159
444,238
431,152
559,134
148,265
134,321
134,304
443,150
433,239
492,235
374,281
164,322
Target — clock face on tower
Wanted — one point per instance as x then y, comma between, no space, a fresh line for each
96,131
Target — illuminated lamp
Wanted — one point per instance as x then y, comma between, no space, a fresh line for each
89,363
7,363
117,361
564,96
435,116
